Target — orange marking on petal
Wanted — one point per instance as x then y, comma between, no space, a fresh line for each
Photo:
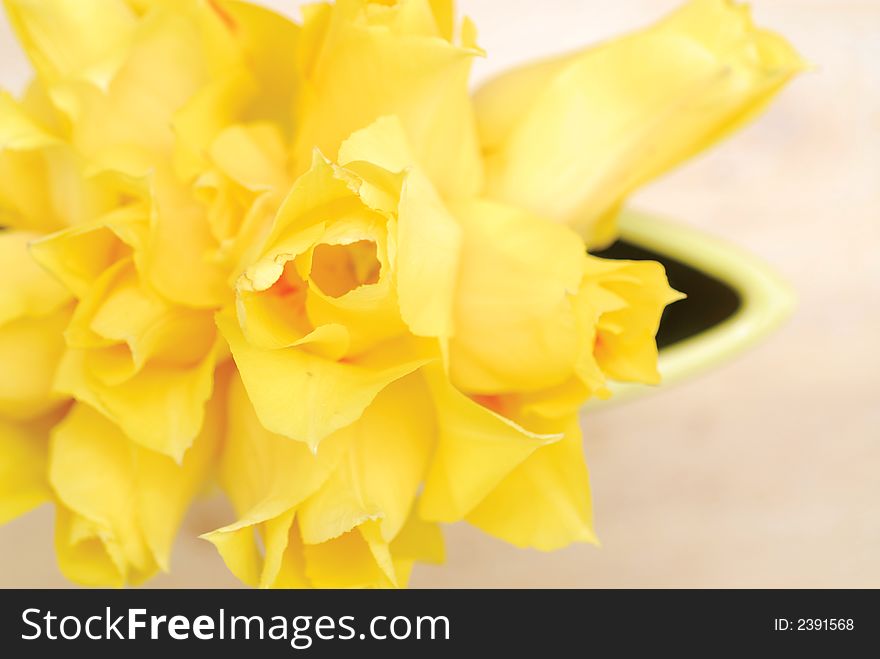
224,15
489,401
285,288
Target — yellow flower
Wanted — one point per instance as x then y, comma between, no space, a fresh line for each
397,271
325,311
43,186
118,505
570,137
144,362
525,287
175,184
148,160
338,517
362,59
368,280
34,309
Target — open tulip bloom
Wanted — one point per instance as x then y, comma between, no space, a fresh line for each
304,262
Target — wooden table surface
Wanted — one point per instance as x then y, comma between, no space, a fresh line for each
764,472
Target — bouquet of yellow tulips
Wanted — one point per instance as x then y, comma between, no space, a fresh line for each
302,261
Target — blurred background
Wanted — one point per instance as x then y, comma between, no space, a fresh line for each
764,472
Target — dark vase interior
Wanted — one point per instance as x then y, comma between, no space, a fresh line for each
709,301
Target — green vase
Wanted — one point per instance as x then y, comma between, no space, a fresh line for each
733,298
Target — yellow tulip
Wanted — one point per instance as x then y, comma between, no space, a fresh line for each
624,346
43,182
333,308
303,333
362,59
545,501
570,137
340,517
145,363
178,186
306,255
118,505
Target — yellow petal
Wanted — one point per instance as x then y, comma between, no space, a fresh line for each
18,130
125,339
178,249
305,206
327,286
262,87
118,500
268,43
327,262
368,470
412,17
161,408
444,17
46,190
360,558
27,289
284,565
125,319
383,143
91,469
374,161
386,61
34,310
476,449
30,351
350,280
79,255
271,321
428,258
167,242
336,508
240,229
253,155
419,540
591,303
80,39
292,573
570,138
200,120
393,442
265,476
515,326
545,501
347,561
166,489
306,397
84,554
625,348
43,181
23,482
174,51
387,451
